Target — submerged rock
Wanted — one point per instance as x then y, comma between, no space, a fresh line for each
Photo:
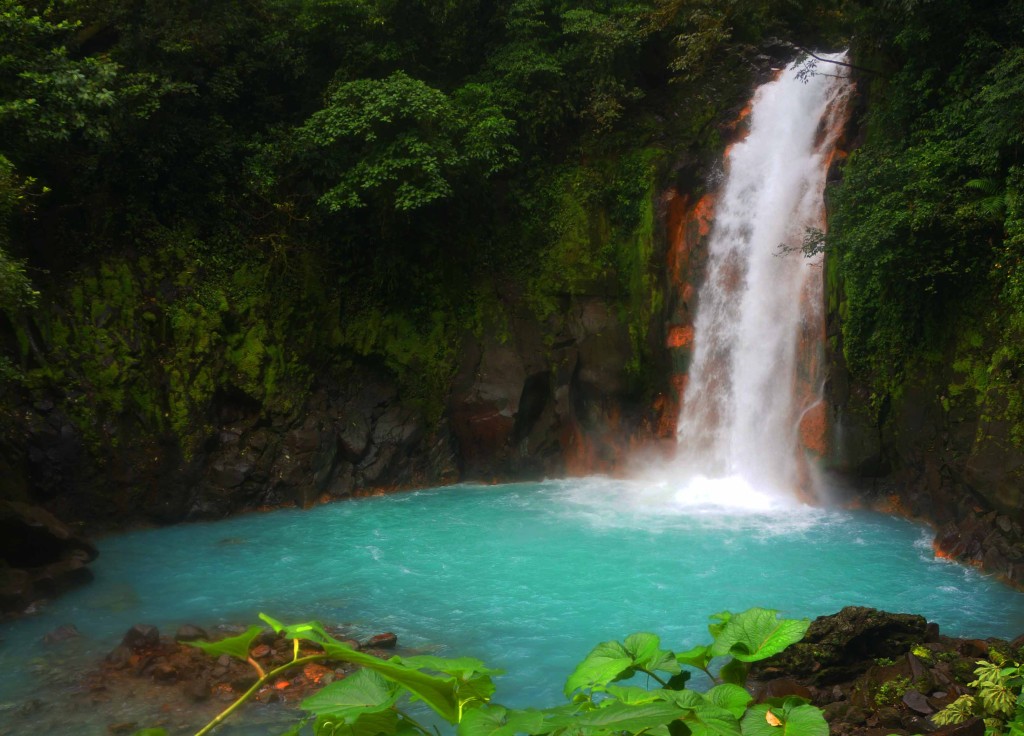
62,633
386,640
188,632
141,636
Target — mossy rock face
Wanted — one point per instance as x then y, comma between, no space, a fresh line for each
841,646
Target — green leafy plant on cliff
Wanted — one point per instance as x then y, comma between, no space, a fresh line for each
604,691
998,698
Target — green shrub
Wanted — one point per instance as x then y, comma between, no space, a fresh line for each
368,702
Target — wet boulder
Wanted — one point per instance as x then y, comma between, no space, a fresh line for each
40,556
842,646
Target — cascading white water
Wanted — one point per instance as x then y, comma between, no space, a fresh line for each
741,410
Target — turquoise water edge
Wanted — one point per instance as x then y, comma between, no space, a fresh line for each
527,577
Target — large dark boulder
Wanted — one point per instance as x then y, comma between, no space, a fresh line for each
844,645
40,556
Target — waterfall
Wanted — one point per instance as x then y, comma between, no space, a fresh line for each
759,325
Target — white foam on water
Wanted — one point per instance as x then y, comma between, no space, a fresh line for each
699,503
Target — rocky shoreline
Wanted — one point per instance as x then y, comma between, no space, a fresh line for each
876,673
873,673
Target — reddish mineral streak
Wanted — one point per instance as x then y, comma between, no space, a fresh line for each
688,224
813,427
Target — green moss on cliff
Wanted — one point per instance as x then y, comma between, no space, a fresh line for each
925,226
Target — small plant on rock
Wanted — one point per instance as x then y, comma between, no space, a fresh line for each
889,693
999,698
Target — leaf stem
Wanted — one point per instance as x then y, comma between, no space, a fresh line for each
708,673
256,666
256,686
661,682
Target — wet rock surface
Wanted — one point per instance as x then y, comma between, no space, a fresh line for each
925,457
536,400
40,556
547,399
153,680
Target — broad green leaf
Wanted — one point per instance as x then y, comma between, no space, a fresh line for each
406,727
607,662
439,693
796,716
473,677
494,720
698,657
151,732
478,688
367,724
273,623
732,698
712,721
463,667
364,691
704,717
309,631
611,661
647,653
632,695
619,717
235,646
719,620
688,699
734,672
757,634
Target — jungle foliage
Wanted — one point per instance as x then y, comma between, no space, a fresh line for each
285,186
925,226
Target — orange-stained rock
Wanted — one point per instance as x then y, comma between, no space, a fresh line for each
315,672
680,336
812,429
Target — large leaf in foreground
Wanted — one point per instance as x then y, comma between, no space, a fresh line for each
463,667
757,634
732,698
646,651
494,720
367,724
235,646
618,717
473,678
610,661
607,662
439,693
364,691
794,717
700,656
308,631
703,717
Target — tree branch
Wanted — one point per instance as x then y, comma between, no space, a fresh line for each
813,55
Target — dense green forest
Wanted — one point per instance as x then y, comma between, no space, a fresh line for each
204,197
246,194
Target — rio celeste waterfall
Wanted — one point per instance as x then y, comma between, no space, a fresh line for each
528,577
751,409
